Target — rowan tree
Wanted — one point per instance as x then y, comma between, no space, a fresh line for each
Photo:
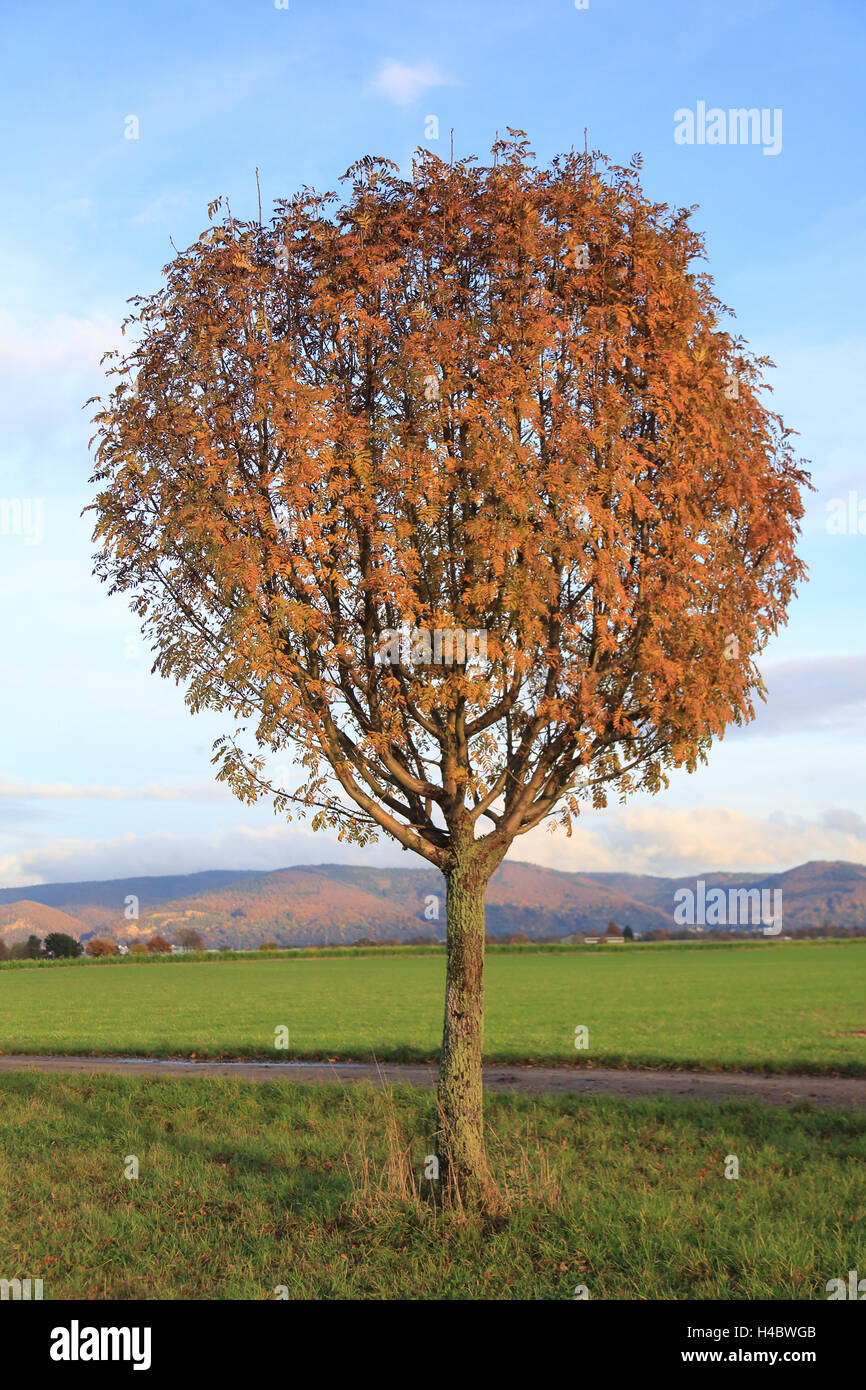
458,488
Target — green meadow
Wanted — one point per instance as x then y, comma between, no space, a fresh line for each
279,1190
786,1007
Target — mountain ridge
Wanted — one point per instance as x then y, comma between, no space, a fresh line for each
316,904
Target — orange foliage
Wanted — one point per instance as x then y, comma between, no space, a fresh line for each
101,947
492,400
158,946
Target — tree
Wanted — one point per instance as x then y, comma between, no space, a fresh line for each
612,929
58,944
190,939
628,934
457,488
268,946
158,946
138,948
33,948
101,946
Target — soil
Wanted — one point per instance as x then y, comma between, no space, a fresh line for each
824,1091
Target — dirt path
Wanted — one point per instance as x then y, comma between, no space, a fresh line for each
683,1085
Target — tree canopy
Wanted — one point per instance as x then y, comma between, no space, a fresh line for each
491,400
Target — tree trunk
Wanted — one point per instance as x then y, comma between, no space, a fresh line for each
462,1160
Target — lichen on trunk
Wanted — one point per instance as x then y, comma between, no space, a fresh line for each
462,1159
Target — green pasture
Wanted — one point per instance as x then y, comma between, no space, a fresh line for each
784,1008
258,1191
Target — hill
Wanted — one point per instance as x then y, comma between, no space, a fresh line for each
316,904
24,918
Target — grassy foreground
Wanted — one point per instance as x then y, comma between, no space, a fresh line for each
243,1189
789,1008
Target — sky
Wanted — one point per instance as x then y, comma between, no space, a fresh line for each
122,122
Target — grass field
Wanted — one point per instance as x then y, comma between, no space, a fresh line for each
242,1189
789,1008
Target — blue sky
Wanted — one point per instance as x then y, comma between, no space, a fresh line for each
103,772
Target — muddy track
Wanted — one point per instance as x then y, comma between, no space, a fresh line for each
825,1091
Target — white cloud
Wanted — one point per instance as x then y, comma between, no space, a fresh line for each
163,208
49,365
638,839
403,83
36,344
68,791
849,822
818,693
655,840
71,860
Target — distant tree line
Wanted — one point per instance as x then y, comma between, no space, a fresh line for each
60,945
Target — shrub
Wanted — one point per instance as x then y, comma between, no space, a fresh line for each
190,939
158,946
101,947
58,944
